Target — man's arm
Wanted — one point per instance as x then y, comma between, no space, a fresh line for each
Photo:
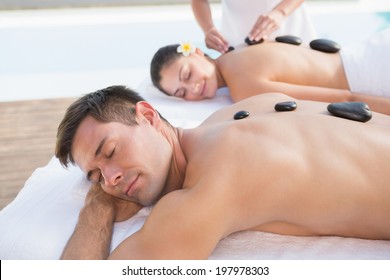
180,226
183,225
92,236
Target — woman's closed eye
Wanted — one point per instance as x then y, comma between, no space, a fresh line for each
180,93
185,73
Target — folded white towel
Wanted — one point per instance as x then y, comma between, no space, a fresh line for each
367,65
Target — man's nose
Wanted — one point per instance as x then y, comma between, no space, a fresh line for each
112,176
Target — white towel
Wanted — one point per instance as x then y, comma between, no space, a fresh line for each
367,65
238,18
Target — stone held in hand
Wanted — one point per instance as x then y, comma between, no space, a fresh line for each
357,111
250,42
231,48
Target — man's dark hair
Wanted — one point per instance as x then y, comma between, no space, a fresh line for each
111,104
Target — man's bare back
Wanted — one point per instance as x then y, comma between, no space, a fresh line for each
301,173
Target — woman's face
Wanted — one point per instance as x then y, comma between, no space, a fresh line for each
193,77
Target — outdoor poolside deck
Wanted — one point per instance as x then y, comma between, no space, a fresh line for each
27,138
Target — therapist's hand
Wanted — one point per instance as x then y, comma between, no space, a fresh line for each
214,40
266,24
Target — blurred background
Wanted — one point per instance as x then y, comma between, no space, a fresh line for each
53,51
59,48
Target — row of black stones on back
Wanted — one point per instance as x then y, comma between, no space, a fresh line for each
323,45
357,111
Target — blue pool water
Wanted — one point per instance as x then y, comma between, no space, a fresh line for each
351,28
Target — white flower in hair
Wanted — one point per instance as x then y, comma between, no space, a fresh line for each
186,48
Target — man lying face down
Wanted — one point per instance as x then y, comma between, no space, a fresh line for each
303,173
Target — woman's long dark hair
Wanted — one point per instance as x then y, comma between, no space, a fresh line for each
163,57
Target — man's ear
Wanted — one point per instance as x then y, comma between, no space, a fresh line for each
144,109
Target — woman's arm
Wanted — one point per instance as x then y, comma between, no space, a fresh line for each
202,12
271,21
287,7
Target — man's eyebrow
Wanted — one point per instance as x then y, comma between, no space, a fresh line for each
99,148
98,151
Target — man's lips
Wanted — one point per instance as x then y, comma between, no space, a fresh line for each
132,186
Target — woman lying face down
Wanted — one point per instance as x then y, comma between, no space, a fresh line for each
298,71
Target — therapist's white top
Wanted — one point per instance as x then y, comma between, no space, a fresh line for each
239,16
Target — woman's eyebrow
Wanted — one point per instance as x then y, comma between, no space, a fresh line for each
177,90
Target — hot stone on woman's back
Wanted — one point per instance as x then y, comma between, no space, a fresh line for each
325,45
289,39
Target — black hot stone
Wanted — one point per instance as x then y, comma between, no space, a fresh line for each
241,115
357,111
286,106
289,39
230,49
325,45
249,42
